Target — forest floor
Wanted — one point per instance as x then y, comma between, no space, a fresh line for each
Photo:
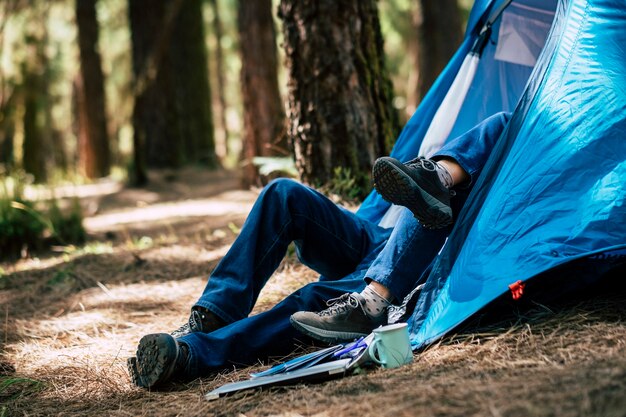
70,318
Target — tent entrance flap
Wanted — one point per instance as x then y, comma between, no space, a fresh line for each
554,189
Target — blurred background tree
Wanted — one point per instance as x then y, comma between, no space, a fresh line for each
263,113
94,158
117,88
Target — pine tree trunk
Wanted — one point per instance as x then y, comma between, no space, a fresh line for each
264,117
413,46
7,129
192,91
340,110
6,144
441,35
156,142
36,145
221,143
93,142
34,158
172,113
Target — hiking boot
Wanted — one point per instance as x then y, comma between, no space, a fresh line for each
201,320
344,320
415,185
159,359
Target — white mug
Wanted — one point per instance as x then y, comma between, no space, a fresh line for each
391,346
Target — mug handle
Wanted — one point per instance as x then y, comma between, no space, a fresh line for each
372,350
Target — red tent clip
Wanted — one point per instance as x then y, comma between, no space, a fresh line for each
517,289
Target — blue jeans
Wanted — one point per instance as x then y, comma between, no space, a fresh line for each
345,249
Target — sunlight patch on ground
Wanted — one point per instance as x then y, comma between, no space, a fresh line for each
162,212
152,293
33,264
102,188
82,352
191,253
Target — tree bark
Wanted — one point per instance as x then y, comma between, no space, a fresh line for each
263,114
189,65
413,46
339,96
172,113
34,155
441,35
156,140
94,155
221,143
36,145
7,128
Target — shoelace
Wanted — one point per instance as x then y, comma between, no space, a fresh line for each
428,165
341,304
193,325
420,161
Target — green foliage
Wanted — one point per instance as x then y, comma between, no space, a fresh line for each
23,225
67,228
269,165
346,186
15,387
19,225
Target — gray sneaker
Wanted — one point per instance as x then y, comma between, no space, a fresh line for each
201,320
344,320
415,185
160,358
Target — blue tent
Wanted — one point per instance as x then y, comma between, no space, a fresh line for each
551,200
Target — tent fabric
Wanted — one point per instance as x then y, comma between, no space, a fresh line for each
497,86
552,193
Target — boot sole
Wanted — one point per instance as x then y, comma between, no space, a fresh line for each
327,336
396,187
155,361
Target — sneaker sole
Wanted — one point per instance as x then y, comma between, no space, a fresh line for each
155,361
396,187
327,336
133,371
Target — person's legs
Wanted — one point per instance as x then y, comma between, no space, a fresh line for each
393,274
265,335
408,252
328,239
423,185
161,358
469,152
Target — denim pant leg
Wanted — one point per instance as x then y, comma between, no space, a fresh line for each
264,335
328,238
472,149
408,252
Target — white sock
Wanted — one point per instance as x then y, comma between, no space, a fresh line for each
444,175
375,304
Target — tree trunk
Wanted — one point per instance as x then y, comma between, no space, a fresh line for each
413,47
441,35
93,142
172,113
34,157
7,133
36,144
7,128
221,142
192,91
156,140
340,110
263,114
